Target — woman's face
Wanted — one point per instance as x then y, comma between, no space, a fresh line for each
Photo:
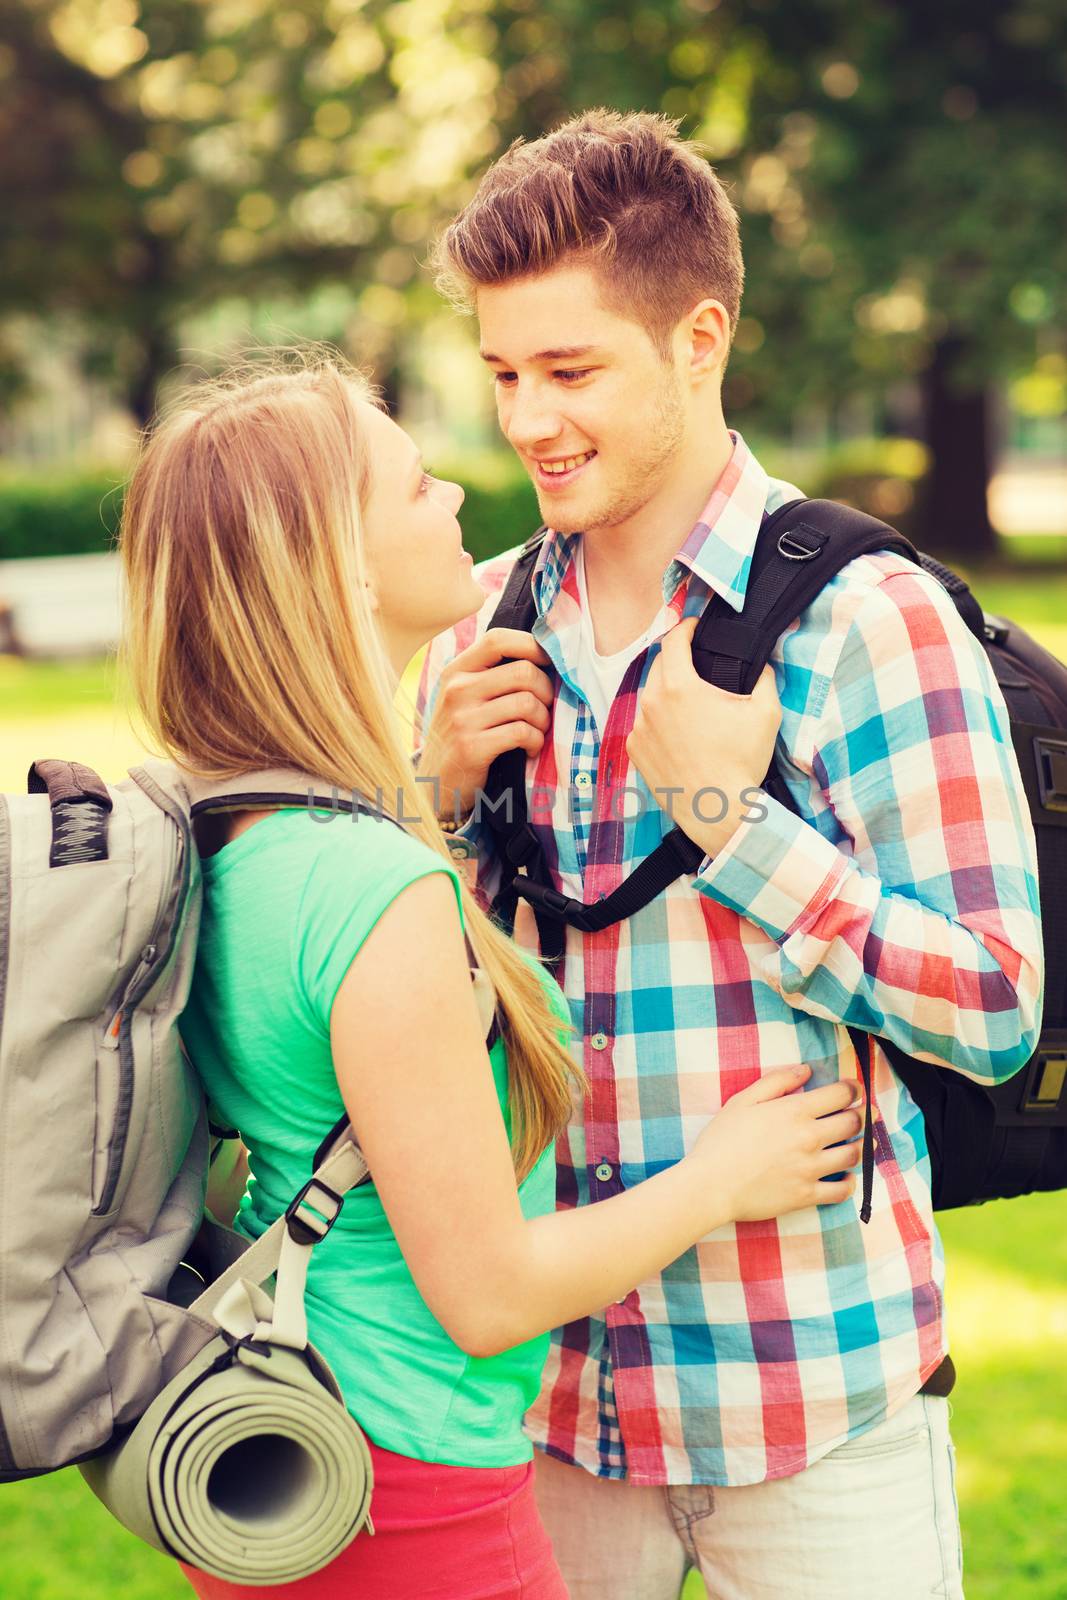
421,576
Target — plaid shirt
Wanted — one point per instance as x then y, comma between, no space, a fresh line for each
903,899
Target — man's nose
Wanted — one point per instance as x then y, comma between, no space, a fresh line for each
531,418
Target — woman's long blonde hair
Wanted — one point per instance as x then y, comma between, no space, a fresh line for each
250,642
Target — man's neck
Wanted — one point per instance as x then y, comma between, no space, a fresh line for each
624,564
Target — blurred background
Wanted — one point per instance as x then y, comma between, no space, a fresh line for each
184,179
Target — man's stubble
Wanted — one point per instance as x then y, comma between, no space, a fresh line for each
642,472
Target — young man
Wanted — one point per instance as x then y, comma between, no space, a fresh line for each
772,1408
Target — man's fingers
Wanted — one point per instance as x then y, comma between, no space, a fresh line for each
502,644
509,677
509,736
676,651
765,689
522,706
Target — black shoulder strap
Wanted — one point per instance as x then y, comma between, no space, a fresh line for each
517,607
505,785
800,547
798,550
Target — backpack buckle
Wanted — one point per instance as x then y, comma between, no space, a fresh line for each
544,898
312,1212
1045,1090
1050,756
794,548
522,847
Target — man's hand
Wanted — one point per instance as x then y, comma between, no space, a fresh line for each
493,697
702,748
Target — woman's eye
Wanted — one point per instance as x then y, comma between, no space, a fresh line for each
570,375
505,379
427,479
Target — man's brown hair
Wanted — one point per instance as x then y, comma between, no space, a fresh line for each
620,192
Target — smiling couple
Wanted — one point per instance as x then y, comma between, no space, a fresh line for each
744,1377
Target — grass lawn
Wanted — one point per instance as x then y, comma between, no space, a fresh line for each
1007,1263
1007,1271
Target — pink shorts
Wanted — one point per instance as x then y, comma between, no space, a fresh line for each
441,1533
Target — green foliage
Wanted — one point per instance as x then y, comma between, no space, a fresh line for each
75,513
173,155
880,476
78,513
63,514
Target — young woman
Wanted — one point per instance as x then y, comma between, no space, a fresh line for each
286,555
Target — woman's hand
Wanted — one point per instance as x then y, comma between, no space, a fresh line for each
768,1151
420,1092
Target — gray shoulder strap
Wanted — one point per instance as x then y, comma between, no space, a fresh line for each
234,1301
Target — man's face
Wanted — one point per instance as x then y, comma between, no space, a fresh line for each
594,413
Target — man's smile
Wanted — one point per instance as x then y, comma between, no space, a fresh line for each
555,473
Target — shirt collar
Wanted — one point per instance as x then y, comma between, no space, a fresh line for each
718,549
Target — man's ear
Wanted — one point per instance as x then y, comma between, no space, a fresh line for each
706,332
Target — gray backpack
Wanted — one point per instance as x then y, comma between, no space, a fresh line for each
104,1135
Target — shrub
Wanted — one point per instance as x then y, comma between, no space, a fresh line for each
61,514
880,476
75,513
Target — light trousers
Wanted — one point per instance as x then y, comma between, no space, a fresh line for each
876,1519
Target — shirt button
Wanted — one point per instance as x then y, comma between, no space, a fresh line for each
583,780
603,1172
599,1041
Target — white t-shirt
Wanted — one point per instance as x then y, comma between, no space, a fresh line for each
600,676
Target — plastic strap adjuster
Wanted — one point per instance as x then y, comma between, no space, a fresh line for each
549,900
522,847
303,1221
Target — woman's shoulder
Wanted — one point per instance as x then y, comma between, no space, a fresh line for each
342,853
300,837
352,871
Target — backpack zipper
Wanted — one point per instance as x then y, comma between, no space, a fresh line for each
144,964
117,1035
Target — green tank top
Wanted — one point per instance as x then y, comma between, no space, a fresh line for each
287,906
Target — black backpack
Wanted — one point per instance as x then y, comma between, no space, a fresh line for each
984,1143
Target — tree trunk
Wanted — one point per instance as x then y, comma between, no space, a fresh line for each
155,357
953,518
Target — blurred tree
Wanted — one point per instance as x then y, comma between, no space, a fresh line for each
171,155
913,197
898,168
900,174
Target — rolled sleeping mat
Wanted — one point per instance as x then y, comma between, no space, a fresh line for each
246,1465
